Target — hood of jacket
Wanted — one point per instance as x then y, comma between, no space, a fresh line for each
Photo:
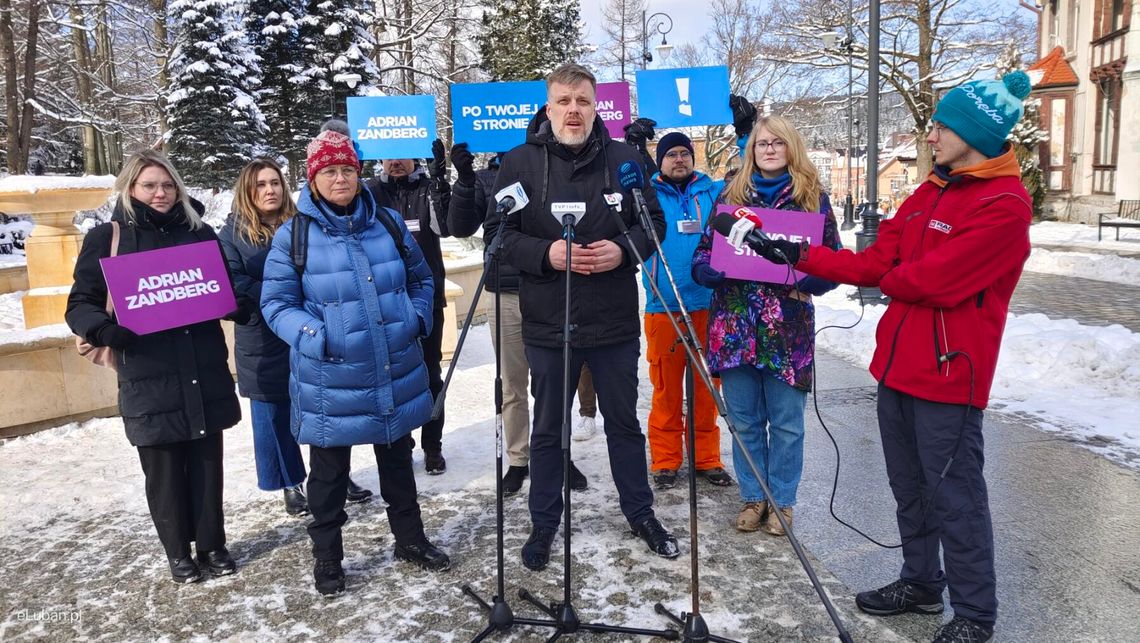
540,132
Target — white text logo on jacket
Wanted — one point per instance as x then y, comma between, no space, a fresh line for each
940,226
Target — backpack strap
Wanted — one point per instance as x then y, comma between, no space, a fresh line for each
299,244
114,252
387,219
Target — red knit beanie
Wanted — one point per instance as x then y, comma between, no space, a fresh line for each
329,148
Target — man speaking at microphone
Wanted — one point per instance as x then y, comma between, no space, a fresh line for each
569,158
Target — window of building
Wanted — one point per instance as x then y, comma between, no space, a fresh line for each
1107,118
1072,22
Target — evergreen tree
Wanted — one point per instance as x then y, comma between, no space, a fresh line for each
273,30
215,124
527,39
336,51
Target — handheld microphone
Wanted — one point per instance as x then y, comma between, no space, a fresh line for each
511,199
740,231
631,177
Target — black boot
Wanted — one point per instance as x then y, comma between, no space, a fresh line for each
357,493
218,562
536,551
577,480
899,597
513,479
660,541
434,462
183,570
295,502
425,555
328,576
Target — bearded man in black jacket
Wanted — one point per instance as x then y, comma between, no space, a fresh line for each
569,157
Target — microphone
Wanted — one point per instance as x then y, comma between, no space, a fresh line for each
568,213
631,177
511,199
740,230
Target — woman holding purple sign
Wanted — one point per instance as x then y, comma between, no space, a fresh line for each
762,335
176,395
261,205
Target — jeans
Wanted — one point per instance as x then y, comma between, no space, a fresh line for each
769,416
275,451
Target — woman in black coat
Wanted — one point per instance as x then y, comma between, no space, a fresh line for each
176,395
261,205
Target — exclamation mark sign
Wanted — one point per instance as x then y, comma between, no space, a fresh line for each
683,92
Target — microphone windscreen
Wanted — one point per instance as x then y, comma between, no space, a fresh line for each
723,223
631,176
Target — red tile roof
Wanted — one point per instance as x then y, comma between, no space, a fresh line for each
1052,71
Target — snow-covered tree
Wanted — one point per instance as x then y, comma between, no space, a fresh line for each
215,124
527,39
336,49
272,27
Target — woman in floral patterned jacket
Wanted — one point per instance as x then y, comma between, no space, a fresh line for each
762,335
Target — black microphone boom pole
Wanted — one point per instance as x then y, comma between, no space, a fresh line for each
696,358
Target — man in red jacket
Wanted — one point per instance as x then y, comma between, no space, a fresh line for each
949,260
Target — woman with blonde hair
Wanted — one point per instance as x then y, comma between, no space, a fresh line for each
762,335
261,205
176,395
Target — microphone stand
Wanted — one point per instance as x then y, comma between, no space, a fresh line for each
695,628
500,616
564,617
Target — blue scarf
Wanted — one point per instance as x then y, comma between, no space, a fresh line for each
768,189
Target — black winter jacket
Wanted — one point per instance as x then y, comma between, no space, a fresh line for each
420,199
174,385
262,358
469,209
604,306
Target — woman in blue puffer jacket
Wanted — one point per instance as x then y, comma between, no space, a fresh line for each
353,319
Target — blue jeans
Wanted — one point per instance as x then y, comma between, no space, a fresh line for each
275,451
769,416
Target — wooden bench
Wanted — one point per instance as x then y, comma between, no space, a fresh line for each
1127,215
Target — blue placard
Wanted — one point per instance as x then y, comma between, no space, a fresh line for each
392,127
685,97
492,117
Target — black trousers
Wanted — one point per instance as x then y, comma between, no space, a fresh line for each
431,436
614,369
184,493
328,488
919,438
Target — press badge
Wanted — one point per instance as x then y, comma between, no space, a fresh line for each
413,225
689,226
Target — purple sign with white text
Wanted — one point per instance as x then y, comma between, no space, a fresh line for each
778,224
613,106
170,287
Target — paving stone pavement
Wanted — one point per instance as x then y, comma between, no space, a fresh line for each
1095,303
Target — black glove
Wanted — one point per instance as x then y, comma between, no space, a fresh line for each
707,276
117,337
640,131
244,311
782,251
743,115
437,167
464,162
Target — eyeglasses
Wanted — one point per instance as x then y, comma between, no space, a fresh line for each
679,155
775,144
337,171
938,128
152,188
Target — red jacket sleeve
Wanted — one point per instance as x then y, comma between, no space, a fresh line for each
984,246
864,268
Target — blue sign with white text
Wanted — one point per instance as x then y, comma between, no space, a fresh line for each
392,127
684,97
493,117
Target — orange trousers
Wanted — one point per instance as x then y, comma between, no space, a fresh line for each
666,417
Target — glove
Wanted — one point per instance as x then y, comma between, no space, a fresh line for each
782,251
640,131
464,163
743,115
117,337
244,311
707,276
437,168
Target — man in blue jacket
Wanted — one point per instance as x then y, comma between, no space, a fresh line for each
688,198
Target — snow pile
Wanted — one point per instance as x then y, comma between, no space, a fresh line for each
1101,267
1078,235
11,313
14,232
1080,380
33,184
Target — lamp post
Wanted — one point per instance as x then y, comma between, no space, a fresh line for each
845,42
657,21
350,80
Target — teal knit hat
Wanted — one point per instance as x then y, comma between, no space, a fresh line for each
984,111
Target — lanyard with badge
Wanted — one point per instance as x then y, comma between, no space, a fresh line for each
690,226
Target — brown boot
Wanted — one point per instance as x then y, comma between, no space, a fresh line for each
751,516
772,525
